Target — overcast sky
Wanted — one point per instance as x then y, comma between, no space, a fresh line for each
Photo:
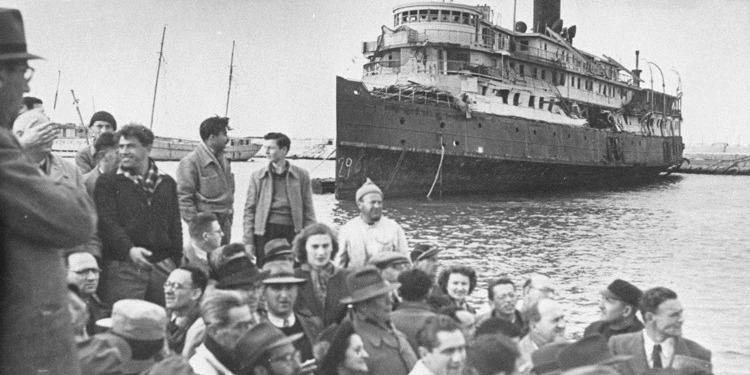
289,53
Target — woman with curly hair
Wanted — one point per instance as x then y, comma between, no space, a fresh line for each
346,354
315,246
457,282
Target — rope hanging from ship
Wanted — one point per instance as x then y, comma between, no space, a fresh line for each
440,167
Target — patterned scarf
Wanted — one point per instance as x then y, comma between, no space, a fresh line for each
320,277
148,182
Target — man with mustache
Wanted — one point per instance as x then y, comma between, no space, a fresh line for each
369,233
280,290
83,272
546,326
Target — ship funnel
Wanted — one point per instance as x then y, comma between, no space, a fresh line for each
546,12
520,27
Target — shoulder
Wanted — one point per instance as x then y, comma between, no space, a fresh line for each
595,328
625,340
301,172
697,350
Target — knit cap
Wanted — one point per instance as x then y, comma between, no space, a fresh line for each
367,188
103,116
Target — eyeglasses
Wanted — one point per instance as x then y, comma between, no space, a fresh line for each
174,286
289,357
28,72
87,271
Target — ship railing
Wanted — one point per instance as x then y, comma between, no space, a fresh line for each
416,94
464,38
382,67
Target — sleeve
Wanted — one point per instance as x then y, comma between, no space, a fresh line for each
175,228
403,245
249,216
84,161
115,241
308,210
187,176
35,207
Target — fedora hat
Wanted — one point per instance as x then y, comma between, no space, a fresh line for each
385,258
366,283
276,248
545,359
12,36
258,340
281,273
423,251
588,351
108,353
137,320
239,273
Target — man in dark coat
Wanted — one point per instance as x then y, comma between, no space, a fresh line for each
139,222
413,311
618,304
37,217
660,345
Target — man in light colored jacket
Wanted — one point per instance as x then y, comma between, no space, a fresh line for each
205,182
279,199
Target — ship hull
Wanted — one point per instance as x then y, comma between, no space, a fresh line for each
399,145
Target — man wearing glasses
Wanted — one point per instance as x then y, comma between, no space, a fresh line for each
182,294
536,287
502,297
83,272
38,217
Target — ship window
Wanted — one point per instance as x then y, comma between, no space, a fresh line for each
412,16
533,72
531,101
404,17
521,70
473,19
456,17
504,94
516,100
562,79
524,45
395,20
579,82
445,15
544,74
541,103
465,18
423,15
434,15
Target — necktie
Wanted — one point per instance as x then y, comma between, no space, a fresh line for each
656,356
286,322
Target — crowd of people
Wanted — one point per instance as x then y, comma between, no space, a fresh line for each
97,279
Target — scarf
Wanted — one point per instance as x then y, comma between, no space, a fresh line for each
147,182
320,277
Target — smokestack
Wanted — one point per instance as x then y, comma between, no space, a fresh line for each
636,71
546,12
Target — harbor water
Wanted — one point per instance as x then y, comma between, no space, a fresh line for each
686,232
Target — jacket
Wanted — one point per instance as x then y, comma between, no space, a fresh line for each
260,192
205,183
205,363
389,350
409,318
311,325
38,216
126,219
190,258
632,344
307,304
519,322
85,159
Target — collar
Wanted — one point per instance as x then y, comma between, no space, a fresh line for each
375,333
199,253
206,155
290,169
46,164
667,349
279,322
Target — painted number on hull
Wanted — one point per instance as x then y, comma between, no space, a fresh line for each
345,163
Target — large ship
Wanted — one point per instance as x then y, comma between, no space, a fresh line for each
450,102
73,138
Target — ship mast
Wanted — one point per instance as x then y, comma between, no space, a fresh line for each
156,85
229,89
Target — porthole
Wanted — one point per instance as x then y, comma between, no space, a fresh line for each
442,125
480,125
355,92
516,130
402,120
534,132
403,141
455,143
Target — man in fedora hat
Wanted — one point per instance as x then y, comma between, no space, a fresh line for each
425,258
618,305
265,350
134,343
391,264
39,216
227,318
280,293
370,232
389,350
660,345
